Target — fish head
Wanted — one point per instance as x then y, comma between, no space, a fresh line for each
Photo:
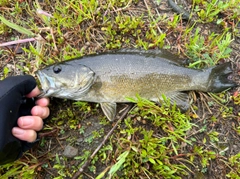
65,80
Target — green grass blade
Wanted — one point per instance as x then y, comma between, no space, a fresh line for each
121,159
16,27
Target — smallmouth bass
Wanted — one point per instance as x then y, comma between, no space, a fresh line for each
109,78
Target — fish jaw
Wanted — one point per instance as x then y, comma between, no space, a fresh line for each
45,84
48,85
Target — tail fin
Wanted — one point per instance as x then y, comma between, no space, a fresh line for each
218,78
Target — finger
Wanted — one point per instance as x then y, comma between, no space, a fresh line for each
30,122
43,102
24,134
34,92
40,111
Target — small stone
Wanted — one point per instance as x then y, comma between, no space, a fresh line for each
70,151
235,147
79,141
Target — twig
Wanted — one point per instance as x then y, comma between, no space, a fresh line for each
88,175
80,171
120,9
17,42
54,41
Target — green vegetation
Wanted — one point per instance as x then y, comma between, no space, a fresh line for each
210,11
202,55
158,147
234,166
23,169
153,141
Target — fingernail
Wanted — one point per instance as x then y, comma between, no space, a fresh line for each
25,122
17,131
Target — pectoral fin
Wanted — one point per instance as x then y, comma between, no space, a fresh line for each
180,99
109,109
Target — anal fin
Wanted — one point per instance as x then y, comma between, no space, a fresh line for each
109,109
181,99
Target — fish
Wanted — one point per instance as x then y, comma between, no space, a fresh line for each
111,78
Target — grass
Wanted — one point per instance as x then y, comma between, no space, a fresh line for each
202,55
153,142
157,148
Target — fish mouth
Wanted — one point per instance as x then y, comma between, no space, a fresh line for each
45,84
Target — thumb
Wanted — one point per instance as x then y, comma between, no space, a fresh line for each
23,84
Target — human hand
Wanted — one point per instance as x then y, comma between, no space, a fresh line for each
16,123
28,125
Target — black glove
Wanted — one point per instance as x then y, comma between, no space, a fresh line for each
13,104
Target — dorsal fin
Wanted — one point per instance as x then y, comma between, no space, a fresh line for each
161,53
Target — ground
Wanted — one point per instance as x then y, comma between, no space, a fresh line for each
151,141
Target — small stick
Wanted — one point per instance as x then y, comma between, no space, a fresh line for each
80,171
17,42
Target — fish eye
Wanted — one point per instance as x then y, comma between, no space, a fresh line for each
57,69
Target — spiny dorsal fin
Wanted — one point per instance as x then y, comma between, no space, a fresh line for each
161,53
